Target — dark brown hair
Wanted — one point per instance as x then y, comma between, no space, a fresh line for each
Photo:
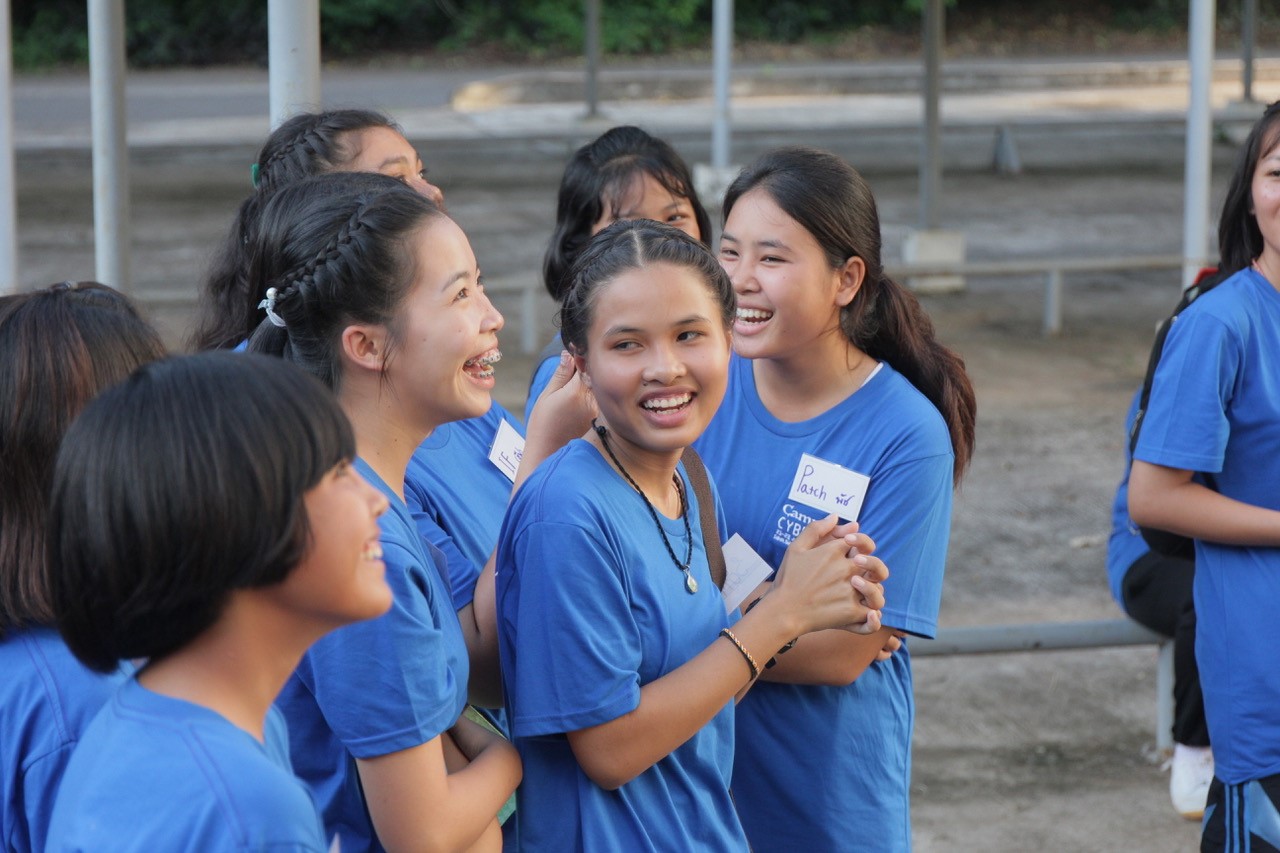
59,347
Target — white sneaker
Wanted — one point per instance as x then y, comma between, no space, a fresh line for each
1191,773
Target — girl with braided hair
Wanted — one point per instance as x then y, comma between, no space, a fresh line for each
373,289
306,144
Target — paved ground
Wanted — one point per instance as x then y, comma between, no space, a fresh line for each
1013,752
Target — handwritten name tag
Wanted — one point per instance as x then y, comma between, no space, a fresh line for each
828,486
744,571
507,450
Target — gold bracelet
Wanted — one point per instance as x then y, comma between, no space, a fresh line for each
751,662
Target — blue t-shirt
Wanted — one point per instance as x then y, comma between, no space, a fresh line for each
457,496
590,608
373,688
542,374
1215,408
157,773
817,766
1126,545
47,699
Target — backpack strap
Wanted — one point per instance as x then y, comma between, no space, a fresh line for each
706,513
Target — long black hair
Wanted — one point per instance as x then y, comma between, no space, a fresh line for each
598,178
832,201
1239,239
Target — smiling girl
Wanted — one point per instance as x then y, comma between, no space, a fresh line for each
625,173
374,290
1206,466
219,575
620,662
840,400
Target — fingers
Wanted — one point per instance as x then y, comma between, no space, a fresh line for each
871,594
815,532
565,371
872,568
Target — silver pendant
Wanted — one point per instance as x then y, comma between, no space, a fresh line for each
689,583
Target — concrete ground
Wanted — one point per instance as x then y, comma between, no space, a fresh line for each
1051,751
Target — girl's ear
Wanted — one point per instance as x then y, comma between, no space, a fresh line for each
851,274
580,365
364,347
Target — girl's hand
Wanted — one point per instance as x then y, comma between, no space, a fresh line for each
891,645
564,408
821,585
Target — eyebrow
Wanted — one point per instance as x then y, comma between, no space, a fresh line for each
391,161
762,244
691,320
453,279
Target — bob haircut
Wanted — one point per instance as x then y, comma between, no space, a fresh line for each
598,178
629,245
177,487
1239,238
59,347
336,250
304,145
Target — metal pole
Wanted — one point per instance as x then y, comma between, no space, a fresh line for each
111,227
722,61
8,183
1195,221
593,58
931,145
1248,41
293,57
1164,698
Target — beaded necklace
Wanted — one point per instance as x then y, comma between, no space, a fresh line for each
689,583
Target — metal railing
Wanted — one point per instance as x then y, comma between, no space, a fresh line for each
1053,270
1063,636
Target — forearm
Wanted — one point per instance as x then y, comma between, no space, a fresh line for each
1169,499
674,707
418,803
833,658
480,629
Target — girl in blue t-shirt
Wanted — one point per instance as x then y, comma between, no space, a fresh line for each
458,481
840,400
373,289
190,531
58,348
1206,466
624,173
620,661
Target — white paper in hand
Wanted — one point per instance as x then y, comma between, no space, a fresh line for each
744,571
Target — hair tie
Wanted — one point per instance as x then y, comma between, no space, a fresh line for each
253,175
270,305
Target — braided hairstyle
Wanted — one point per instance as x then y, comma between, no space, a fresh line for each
597,178
832,201
306,144
334,250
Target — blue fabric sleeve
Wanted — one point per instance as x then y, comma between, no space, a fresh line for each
578,646
541,378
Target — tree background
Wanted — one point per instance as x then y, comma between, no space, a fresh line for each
199,32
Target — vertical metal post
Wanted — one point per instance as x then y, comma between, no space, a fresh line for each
593,58
1053,301
1164,698
293,57
722,62
8,183
1248,41
1195,216
111,226
931,144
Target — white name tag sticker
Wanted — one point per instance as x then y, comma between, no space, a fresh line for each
828,486
744,571
507,450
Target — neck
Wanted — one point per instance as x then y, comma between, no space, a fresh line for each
385,439
237,667
652,471
805,383
1268,266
